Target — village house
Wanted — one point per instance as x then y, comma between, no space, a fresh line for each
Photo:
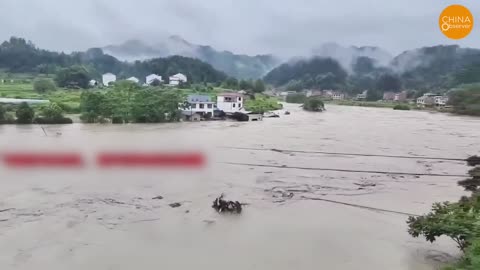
429,99
108,78
392,96
363,95
201,105
93,83
177,79
327,93
151,78
133,79
312,93
338,95
440,100
230,102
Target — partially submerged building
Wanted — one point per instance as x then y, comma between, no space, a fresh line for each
230,102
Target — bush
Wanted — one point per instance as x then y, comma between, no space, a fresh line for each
25,114
44,85
49,121
402,107
119,120
296,98
262,104
314,104
69,109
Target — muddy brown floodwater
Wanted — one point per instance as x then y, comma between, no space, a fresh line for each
296,217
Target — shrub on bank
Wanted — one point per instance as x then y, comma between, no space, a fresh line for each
52,121
402,107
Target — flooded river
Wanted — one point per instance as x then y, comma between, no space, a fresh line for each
307,207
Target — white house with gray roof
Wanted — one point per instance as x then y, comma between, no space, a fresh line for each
201,104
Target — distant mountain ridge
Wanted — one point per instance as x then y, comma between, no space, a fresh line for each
18,55
235,65
347,56
434,68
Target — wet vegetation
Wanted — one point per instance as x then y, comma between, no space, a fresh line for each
314,104
401,107
458,220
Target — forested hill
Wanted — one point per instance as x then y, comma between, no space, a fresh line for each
20,56
236,65
317,72
430,68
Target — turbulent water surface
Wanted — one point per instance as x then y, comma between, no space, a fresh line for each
299,215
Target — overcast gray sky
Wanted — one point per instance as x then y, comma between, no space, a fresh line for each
242,26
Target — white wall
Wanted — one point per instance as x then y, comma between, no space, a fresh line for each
108,78
228,107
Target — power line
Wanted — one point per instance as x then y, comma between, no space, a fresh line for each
343,154
361,206
342,170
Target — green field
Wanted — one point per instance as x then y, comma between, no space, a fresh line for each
70,98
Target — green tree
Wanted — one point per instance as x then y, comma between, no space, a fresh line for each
296,98
259,86
73,77
156,83
262,104
314,104
245,85
230,83
389,82
24,114
42,85
374,95
458,220
3,113
52,112
466,101
92,107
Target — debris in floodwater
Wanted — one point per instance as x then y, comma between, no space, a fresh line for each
223,206
157,198
175,205
209,222
188,211
5,210
363,185
111,201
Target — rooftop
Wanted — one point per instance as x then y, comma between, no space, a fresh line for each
198,98
230,95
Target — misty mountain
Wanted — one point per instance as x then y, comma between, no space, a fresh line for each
347,56
438,66
429,68
20,56
235,65
326,73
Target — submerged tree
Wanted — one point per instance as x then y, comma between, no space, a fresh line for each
314,104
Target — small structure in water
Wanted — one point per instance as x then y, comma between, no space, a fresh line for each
246,116
271,115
